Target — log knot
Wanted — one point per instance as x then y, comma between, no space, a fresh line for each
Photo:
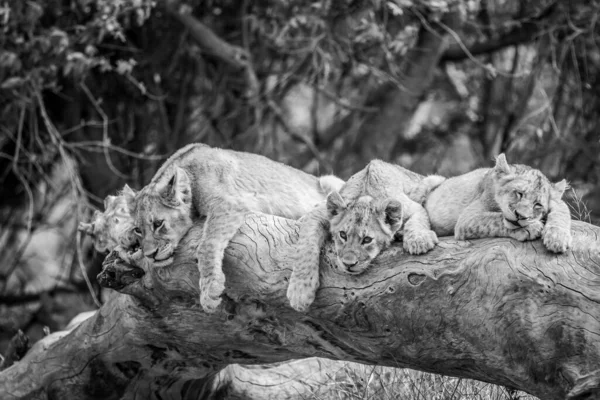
117,274
416,279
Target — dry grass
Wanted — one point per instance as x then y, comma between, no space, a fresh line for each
355,381
579,209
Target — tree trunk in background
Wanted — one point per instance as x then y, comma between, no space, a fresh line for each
378,132
495,310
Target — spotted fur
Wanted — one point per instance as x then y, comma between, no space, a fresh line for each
220,186
505,201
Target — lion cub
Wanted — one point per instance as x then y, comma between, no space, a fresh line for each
221,186
114,226
506,201
363,219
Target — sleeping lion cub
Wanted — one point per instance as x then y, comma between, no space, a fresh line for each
504,201
221,186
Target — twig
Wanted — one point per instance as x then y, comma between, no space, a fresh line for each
493,71
95,143
15,168
83,270
206,38
105,138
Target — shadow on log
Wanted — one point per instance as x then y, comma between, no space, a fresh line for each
496,310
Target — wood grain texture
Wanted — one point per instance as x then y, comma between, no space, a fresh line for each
496,310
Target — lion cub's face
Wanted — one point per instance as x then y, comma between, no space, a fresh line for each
114,226
523,193
361,229
163,216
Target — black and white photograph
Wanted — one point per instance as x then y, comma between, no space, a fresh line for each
299,199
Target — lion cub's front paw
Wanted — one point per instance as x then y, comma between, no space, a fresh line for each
301,295
211,289
530,232
557,240
419,242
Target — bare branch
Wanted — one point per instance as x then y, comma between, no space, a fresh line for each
206,38
524,33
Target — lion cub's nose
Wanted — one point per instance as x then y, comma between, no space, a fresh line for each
150,253
350,264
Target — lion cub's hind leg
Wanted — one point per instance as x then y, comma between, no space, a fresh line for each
220,227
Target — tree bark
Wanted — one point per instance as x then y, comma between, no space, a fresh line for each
496,310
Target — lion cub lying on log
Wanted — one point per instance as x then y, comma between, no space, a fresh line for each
222,186
363,219
504,201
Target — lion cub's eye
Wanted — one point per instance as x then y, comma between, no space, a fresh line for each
367,240
518,195
343,235
137,231
158,224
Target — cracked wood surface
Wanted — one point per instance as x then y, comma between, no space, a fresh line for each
496,310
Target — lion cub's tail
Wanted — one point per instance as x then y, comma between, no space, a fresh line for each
428,185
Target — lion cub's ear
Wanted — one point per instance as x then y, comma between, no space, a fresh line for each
392,212
128,191
502,165
86,228
109,201
179,189
558,189
335,203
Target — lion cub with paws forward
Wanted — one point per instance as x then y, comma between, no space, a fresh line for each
504,201
363,219
222,186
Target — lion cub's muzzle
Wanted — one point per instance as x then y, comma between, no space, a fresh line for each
351,264
160,256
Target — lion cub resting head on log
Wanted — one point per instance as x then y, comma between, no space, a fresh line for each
376,203
504,201
382,199
220,186
361,229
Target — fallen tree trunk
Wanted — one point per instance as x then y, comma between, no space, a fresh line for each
496,310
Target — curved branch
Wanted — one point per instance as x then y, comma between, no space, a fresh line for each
496,310
206,38
521,34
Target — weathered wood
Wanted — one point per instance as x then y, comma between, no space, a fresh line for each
496,310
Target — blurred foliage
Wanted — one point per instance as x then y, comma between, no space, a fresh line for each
79,77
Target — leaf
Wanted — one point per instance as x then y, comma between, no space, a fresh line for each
12,83
125,66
